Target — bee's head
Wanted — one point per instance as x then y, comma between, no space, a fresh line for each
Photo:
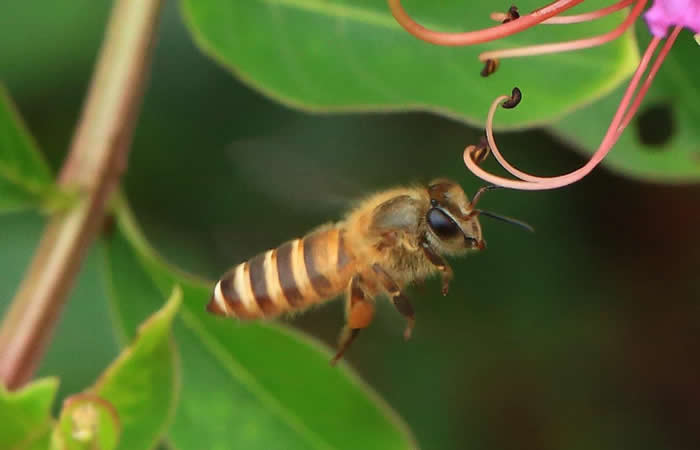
453,220
453,225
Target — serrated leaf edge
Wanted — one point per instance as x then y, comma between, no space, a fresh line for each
43,383
171,308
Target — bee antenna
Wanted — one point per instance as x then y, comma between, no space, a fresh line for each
506,219
477,196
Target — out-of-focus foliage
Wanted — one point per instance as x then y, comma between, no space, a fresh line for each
143,384
136,394
25,415
234,387
333,55
25,178
583,335
86,421
663,142
225,378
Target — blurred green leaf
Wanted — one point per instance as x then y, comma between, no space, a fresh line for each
251,386
25,177
25,415
143,383
672,152
43,51
328,55
86,422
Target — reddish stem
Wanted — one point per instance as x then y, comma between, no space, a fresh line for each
95,162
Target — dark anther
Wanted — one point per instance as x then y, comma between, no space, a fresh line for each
490,67
514,99
483,142
512,14
481,151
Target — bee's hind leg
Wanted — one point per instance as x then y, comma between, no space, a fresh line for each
402,304
359,311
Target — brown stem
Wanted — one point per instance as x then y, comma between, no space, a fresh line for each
96,160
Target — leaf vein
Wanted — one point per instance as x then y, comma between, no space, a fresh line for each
239,372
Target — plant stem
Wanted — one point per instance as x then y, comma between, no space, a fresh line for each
95,162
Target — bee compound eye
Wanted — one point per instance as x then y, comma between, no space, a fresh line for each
442,224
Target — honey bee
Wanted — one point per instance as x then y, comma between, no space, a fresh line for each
389,240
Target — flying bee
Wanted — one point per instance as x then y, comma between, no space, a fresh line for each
389,240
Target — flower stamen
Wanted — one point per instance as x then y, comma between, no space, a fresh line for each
570,45
650,78
514,100
480,152
622,117
511,15
662,15
479,36
490,66
586,17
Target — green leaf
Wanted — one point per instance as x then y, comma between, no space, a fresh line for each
332,55
56,53
142,384
675,160
25,178
136,395
86,422
260,385
25,415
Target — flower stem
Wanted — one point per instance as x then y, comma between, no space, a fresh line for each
95,162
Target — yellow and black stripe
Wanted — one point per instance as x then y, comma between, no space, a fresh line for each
296,275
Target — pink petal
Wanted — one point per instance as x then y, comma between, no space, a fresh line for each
669,13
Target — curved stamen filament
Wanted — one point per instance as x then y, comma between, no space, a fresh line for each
494,148
593,15
650,77
480,36
571,45
577,18
531,182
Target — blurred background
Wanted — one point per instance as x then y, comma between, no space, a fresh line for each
583,335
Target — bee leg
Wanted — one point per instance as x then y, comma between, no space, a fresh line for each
440,264
346,337
359,311
402,304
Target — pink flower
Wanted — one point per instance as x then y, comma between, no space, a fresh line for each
677,14
668,13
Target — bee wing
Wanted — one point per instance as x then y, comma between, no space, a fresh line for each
398,213
302,177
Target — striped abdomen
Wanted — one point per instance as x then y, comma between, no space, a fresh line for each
299,273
